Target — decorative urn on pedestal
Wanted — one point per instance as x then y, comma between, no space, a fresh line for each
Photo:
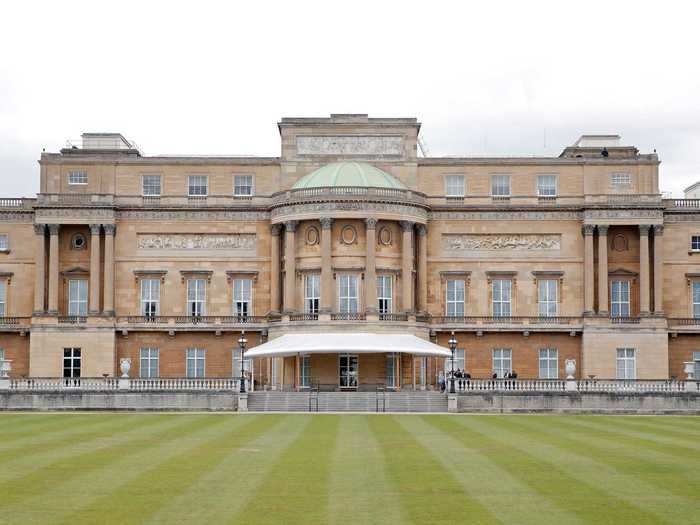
570,368
125,366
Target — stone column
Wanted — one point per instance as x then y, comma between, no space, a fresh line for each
659,269
603,270
644,281
407,265
326,306
371,267
94,306
588,273
275,268
39,269
108,307
53,268
290,266
422,276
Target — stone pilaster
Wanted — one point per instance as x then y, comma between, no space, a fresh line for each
422,274
326,306
588,271
53,268
658,269
603,271
108,300
275,230
371,267
94,305
40,269
644,282
290,266
407,265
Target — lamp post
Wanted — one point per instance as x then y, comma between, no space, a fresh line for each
241,344
453,346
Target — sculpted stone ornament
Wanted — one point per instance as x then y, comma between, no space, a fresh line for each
350,145
312,236
125,366
507,242
189,241
570,368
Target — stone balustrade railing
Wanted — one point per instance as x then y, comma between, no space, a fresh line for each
510,320
183,383
352,192
681,203
64,383
202,320
20,203
514,385
632,386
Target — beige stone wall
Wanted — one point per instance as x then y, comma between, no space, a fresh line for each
19,261
599,353
679,261
98,354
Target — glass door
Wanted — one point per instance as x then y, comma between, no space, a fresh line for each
347,371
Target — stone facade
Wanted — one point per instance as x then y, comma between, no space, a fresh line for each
589,228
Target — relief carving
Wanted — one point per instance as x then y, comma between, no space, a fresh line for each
195,241
350,145
503,242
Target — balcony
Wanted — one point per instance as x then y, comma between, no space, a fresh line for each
508,323
355,316
180,322
17,203
347,192
14,324
681,203
75,199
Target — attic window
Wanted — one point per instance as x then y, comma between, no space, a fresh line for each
620,179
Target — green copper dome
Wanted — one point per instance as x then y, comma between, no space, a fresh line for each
357,174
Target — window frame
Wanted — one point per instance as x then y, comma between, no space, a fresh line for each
624,358
73,355
460,358
305,371
81,303
192,302
242,306
3,297
620,180
500,301
82,178
385,291
345,308
149,300
453,304
236,365
4,242
695,243
236,186
548,302
616,299
312,293
144,193
149,355
555,186
191,185
547,356
495,185
449,185
193,357
695,298
499,355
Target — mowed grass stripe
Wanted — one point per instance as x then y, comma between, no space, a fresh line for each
18,426
661,466
43,489
296,487
428,492
681,440
645,503
32,460
503,475
359,489
190,455
250,459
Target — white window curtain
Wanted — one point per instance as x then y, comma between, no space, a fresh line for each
620,299
460,362
150,297
149,362
196,297
548,297
305,373
4,242
78,297
243,185
242,297
454,185
312,293
500,185
546,185
501,292
455,297
348,294
197,185
626,363
549,363
502,361
151,185
384,286
196,362
696,299
3,298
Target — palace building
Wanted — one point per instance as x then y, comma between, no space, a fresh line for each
349,261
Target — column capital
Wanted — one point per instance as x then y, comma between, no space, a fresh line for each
291,226
371,223
587,229
603,229
39,229
658,229
275,229
406,226
326,222
644,229
110,229
95,229
422,230
53,228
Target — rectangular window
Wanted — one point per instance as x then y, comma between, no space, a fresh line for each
77,177
546,185
620,299
620,179
149,361
4,242
626,363
454,301
549,363
243,185
236,365
384,294
391,362
547,297
500,185
454,185
197,185
502,362
694,243
347,296
151,185
696,359
696,299
305,372
3,298
150,297
312,293
71,362
195,362
196,297
242,297
78,297
460,363
501,299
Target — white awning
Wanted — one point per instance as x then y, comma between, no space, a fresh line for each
351,343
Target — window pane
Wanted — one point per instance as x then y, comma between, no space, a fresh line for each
77,177
546,185
3,297
454,185
4,242
151,185
243,185
197,185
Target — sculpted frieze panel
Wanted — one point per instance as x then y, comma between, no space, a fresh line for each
506,215
370,145
195,215
232,242
14,216
623,214
510,242
83,214
362,206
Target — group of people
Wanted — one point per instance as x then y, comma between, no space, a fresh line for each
462,378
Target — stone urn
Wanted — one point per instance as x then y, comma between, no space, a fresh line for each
570,368
125,366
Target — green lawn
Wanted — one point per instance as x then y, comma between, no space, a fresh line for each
224,468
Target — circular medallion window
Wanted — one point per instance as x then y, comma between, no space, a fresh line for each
78,242
348,235
619,243
384,236
311,236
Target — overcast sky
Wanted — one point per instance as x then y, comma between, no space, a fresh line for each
496,78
